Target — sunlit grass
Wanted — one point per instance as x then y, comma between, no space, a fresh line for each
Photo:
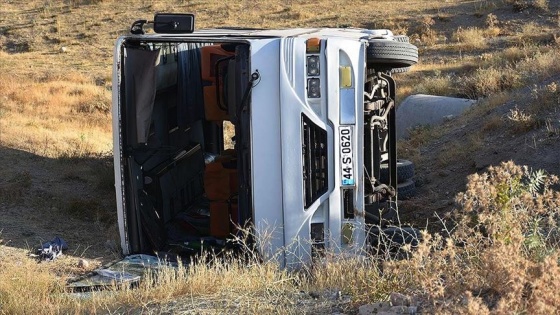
55,103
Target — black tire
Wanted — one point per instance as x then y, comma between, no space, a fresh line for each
385,54
405,171
385,214
406,190
400,70
401,38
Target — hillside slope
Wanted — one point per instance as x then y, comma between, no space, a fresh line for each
524,128
55,130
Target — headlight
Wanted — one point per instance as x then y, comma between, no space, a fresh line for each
313,68
313,88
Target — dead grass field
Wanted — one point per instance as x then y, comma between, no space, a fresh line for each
491,249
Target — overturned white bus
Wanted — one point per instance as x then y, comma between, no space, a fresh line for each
286,132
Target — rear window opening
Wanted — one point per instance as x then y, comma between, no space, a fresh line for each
185,139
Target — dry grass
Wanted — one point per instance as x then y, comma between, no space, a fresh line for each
25,282
522,5
418,137
427,35
55,116
492,25
545,98
487,81
501,243
521,122
470,38
540,66
438,84
463,151
499,256
499,72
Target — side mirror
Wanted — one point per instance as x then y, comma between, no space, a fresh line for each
173,23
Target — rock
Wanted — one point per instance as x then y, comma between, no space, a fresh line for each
399,309
420,110
63,49
399,304
400,299
444,173
82,263
336,295
314,295
375,308
420,181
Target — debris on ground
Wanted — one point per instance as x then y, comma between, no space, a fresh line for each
82,263
129,270
51,250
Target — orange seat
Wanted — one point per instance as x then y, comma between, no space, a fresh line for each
220,179
224,217
210,57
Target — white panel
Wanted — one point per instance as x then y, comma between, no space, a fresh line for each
294,102
288,58
117,144
353,55
266,148
348,106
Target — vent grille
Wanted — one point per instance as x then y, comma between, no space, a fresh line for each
348,203
315,163
289,59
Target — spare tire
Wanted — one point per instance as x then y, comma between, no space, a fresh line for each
385,54
400,70
401,38
406,190
405,171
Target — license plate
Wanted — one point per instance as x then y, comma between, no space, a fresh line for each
346,156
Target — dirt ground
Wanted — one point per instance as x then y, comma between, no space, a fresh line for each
444,163
439,180
41,198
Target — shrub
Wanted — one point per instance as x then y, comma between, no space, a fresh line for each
521,121
545,98
492,26
501,250
470,38
437,85
522,5
487,81
540,4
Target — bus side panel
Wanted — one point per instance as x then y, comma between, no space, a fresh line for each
266,150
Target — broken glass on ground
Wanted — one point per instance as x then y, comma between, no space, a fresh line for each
128,271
